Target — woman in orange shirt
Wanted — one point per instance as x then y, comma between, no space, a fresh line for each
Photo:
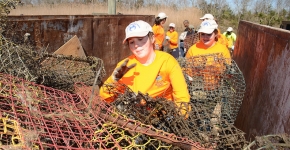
208,43
172,40
148,71
208,48
158,30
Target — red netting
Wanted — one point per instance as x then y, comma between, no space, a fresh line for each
46,118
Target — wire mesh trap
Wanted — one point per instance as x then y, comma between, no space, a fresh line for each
21,60
198,124
57,71
46,118
213,79
61,72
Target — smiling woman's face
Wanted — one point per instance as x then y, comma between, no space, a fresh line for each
141,47
208,39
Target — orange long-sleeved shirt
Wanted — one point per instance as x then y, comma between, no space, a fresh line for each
159,34
211,81
173,41
163,77
200,49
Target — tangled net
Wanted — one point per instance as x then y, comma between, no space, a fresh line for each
39,117
198,125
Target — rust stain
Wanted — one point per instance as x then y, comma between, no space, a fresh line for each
263,55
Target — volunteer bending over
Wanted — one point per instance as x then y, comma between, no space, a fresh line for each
147,70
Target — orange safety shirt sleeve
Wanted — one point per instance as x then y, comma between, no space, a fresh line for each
159,34
176,77
173,41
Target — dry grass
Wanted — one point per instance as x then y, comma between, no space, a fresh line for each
176,16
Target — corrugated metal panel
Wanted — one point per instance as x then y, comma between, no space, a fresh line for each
263,55
100,35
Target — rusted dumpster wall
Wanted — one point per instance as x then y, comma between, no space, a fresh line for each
262,53
100,35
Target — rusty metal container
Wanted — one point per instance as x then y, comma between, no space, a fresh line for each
263,55
100,35
261,52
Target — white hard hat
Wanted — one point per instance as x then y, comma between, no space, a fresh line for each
138,28
208,26
230,29
162,15
207,16
172,25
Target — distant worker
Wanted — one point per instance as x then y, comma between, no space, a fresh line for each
190,39
231,37
148,71
182,37
172,40
186,25
158,30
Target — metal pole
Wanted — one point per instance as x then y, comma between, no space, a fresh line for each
112,7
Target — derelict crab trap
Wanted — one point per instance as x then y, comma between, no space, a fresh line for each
39,117
213,79
57,71
196,121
